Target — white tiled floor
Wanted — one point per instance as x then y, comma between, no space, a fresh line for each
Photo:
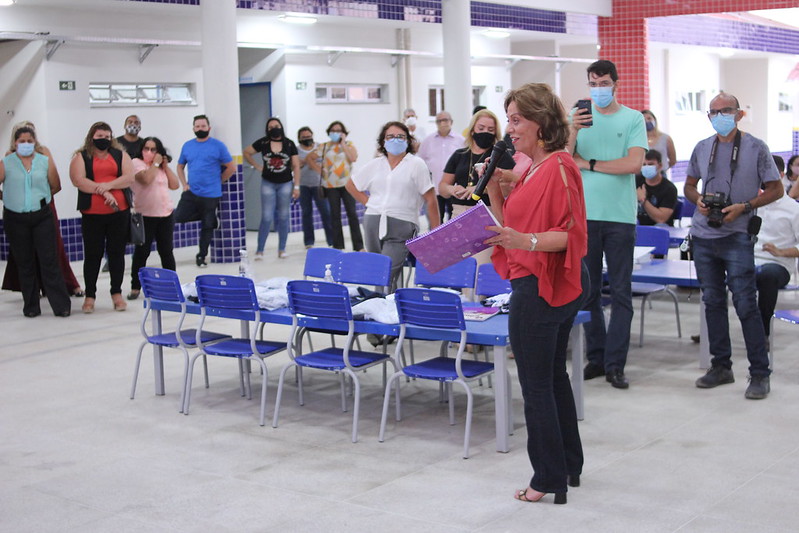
78,455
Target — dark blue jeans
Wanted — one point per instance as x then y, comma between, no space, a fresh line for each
770,278
608,347
729,262
308,197
539,335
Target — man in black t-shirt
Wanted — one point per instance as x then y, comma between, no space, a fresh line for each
657,196
131,141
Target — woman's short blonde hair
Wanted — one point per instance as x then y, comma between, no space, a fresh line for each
477,116
538,103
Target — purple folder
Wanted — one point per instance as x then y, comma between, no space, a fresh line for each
455,240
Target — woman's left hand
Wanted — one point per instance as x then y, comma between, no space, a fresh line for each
295,193
508,238
101,189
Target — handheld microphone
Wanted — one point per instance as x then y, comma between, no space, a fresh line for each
496,154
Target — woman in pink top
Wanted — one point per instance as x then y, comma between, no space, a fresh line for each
151,198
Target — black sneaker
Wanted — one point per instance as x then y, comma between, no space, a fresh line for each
758,388
617,379
714,377
593,370
201,261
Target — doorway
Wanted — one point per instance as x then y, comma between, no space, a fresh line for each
256,107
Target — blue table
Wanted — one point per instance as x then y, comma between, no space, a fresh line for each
677,234
682,273
492,332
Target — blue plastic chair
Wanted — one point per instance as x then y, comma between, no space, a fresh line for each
658,238
161,285
677,214
459,276
220,294
790,316
443,312
316,259
363,268
309,302
489,283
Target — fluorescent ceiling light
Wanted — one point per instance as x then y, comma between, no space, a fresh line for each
4,3
297,19
496,34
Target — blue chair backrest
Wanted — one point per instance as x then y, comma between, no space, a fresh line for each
688,208
317,258
429,308
226,292
161,284
319,299
653,236
458,276
363,268
489,283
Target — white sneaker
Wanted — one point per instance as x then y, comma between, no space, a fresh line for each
259,256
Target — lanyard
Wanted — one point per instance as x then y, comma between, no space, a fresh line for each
736,147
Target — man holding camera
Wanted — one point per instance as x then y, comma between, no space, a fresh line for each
732,166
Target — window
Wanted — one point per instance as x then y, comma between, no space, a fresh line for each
140,94
350,94
689,101
435,99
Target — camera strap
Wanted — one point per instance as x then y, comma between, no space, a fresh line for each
736,147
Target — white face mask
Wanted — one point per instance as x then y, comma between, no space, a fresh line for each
410,121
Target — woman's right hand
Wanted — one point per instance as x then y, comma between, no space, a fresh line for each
110,200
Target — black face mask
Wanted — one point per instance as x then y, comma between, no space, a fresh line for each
306,142
275,133
484,139
102,144
201,134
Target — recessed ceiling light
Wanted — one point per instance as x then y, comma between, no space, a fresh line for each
496,34
298,19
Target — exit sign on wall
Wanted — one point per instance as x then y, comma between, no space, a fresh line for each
66,85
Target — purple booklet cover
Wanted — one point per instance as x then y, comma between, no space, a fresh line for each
455,240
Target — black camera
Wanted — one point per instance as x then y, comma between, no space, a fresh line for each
715,202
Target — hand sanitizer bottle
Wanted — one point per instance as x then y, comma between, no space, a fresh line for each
329,274
245,271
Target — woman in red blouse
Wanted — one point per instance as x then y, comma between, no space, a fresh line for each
102,172
540,247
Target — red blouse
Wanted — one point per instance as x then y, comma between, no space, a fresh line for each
105,170
548,200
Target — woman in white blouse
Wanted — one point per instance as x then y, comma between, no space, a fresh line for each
398,183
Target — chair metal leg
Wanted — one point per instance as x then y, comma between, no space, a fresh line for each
468,431
136,369
280,392
386,399
299,385
770,340
343,392
187,385
643,310
246,366
676,311
357,404
264,381
205,369
241,377
451,399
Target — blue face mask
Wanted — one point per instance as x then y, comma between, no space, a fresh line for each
650,125
25,149
335,136
723,124
649,171
602,96
396,146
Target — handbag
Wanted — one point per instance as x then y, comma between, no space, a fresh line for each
136,232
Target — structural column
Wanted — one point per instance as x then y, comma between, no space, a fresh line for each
455,28
625,41
221,103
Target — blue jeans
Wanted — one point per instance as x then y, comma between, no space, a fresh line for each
608,348
729,262
275,197
539,334
308,197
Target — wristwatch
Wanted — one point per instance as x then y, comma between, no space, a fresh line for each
747,207
533,242
157,165
591,164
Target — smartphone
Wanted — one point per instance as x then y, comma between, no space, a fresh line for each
585,104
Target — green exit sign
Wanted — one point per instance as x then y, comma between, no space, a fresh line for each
66,85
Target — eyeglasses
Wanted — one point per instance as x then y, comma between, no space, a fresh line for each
603,83
723,111
401,137
440,120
